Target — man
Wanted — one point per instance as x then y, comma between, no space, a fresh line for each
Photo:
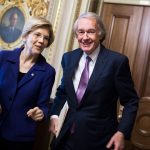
91,123
11,33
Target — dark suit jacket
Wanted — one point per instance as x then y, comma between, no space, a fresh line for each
95,118
9,36
16,98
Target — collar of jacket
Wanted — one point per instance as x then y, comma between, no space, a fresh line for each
14,58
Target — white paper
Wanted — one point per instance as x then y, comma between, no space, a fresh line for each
62,117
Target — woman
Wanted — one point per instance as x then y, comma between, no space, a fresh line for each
26,82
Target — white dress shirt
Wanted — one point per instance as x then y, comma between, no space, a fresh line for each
79,70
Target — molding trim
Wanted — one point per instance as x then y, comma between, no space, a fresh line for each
131,2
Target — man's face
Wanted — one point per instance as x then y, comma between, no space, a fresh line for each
88,34
13,20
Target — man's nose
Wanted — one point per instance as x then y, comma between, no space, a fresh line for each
85,35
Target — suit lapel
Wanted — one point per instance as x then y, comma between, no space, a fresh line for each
70,85
14,66
13,62
98,70
32,73
27,77
70,74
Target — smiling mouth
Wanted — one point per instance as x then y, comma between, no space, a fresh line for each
38,46
86,44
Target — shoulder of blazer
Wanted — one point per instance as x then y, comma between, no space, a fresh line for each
73,53
42,64
113,54
71,58
6,54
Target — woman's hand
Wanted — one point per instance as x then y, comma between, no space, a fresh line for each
36,114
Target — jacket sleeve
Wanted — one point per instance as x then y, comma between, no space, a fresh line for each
45,92
127,96
60,97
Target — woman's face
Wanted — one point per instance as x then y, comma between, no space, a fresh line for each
37,40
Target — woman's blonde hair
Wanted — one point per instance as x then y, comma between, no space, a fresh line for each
35,23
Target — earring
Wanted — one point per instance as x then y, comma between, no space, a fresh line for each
24,42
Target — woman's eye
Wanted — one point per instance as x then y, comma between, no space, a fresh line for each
46,38
37,34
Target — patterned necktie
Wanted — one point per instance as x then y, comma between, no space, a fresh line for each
83,80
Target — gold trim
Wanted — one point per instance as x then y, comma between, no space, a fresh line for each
5,9
38,7
2,2
40,10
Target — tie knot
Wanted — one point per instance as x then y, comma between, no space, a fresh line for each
88,59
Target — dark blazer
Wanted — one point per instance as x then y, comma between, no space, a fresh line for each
95,118
16,98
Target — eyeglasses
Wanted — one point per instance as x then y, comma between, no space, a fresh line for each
38,35
90,32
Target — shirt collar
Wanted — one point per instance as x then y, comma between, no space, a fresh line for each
93,55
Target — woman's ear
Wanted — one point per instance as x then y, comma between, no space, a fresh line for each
24,40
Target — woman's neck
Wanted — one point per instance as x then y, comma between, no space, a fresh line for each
27,60
27,56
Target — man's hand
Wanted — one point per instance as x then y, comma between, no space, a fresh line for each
53,128
117,141
36,114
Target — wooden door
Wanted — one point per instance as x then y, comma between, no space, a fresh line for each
123,27
141,74
128,32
